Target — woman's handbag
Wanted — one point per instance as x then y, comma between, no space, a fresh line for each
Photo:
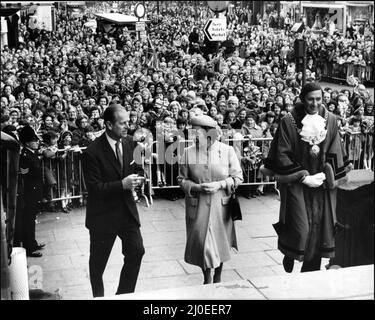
234,208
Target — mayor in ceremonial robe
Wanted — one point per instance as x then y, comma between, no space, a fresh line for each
308,161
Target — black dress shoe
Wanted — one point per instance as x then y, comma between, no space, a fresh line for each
288,264
34,254
40,246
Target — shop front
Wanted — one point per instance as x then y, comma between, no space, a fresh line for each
10,16
4,33
290,9
76,9
360,12
319,15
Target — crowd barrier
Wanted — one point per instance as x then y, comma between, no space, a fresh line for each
63,176
8,194
250,151
336,72
359,149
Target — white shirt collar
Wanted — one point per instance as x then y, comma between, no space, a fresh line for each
110,140
33,151
112,143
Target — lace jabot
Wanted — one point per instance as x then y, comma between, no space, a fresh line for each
314,129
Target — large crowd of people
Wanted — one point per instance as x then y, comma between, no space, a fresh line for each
61,82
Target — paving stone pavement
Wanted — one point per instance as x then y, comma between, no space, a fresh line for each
65,257
352,283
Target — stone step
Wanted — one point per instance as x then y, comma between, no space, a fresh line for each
345,283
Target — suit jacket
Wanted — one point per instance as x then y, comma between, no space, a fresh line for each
32,173
108,204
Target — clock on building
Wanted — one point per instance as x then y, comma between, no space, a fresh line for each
218,6
139,10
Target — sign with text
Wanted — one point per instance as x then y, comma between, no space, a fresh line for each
142,35
140,26
216,29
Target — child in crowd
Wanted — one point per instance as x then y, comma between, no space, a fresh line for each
48,150
354,141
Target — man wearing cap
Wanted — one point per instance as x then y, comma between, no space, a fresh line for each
111,174
308,161
32,182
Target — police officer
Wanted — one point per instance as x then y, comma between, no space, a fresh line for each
32,178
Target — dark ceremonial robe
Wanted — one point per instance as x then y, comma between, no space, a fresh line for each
307,221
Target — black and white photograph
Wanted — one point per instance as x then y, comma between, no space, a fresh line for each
187,151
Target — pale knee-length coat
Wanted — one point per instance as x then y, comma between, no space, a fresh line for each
208,223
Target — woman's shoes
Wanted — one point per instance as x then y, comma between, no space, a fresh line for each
65,210
161,184
50,207
259,193
249,195
172,197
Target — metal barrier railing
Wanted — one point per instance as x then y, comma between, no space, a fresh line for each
250,152
63,176
341,72
359,148
9,150
9,189
161,174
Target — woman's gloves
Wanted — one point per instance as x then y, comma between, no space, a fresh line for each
211,187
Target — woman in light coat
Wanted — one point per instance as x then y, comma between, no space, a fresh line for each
209,173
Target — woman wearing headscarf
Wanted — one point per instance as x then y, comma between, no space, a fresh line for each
209,173
65,170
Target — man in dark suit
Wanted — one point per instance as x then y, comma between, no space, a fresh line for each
110,174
